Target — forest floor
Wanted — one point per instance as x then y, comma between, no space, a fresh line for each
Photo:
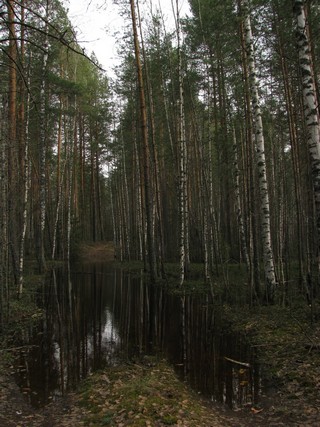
148,392
95,252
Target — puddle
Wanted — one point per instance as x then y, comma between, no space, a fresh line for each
98,316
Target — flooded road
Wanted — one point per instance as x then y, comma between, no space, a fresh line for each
97,316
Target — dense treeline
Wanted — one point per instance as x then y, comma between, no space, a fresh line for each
53,139
231,106
206,148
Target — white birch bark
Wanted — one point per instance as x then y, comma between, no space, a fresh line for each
311,112
269,267
183,195
27,184
71,172
24,133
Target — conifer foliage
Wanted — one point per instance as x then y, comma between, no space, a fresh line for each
203,149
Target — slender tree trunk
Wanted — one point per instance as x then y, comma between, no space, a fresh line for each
269,267
126,206
294,153
138,201
12,147
27,183
146,150
59,182
93,190
56,221
311,113
157,218
242,233
183,188
250,181
21,113
43,150
114,225
101,227
24,165
72,124
4,255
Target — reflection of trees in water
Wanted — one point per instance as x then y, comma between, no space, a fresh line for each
207,348
89,336
96,316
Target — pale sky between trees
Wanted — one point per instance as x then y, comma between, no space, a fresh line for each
97,21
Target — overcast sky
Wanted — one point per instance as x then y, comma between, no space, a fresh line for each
97,21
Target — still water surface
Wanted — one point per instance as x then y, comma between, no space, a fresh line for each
97,316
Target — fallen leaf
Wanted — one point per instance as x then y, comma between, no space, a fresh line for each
256,411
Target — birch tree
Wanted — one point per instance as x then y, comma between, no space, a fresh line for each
269,267
42,146
183,189
311,108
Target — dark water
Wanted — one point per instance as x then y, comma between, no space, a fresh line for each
98,316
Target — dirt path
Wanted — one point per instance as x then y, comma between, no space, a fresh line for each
96,252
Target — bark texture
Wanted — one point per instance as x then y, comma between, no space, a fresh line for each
269,267
311,113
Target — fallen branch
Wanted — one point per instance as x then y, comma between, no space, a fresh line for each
312,347
247,365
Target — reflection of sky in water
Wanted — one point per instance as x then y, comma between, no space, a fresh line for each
104,321
110,335
56,352
110,340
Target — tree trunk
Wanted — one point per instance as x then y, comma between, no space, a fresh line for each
269,267
12,147
294,153
146,150
183,188
242,233
42,151
4,261
311,114
26,178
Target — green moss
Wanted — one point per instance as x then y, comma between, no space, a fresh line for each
169,420
106,420
143,394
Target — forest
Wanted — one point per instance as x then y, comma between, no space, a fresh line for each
199,160
210,155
